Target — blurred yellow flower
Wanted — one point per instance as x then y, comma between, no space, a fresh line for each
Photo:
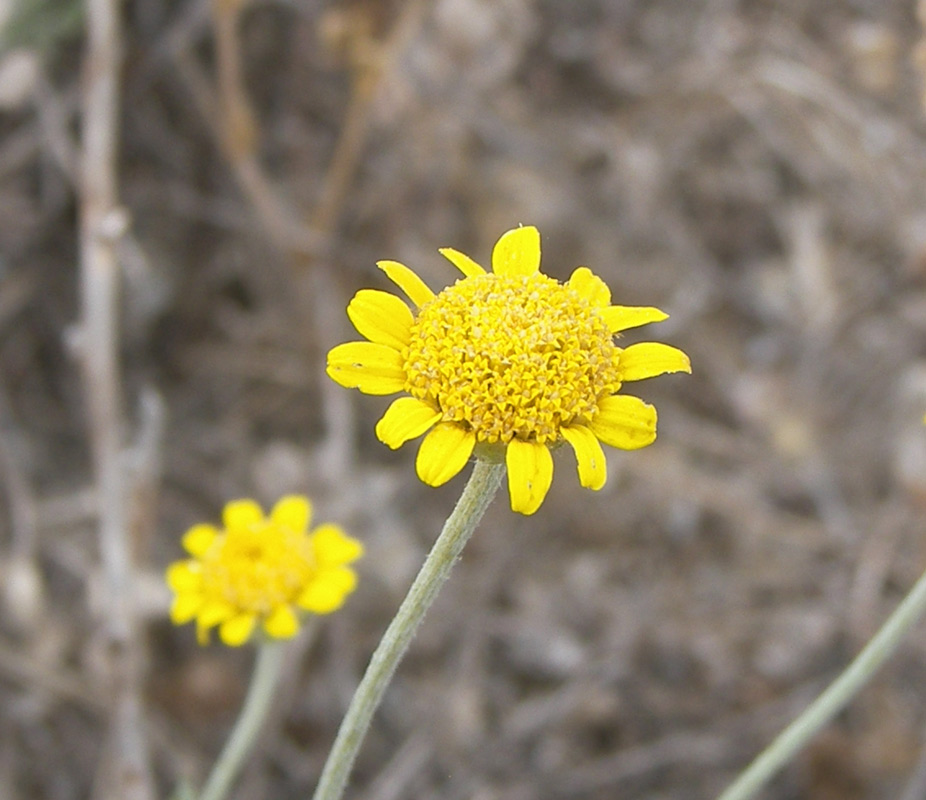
261,570
506,364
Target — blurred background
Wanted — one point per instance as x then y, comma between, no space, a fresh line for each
755,168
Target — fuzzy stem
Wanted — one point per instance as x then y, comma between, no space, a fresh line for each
264,682
479,491
828,704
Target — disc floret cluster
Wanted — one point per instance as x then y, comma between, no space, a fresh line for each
493,359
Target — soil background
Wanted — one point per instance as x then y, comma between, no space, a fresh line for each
755,168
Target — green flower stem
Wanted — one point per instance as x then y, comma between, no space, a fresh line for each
253,713
828,704
479,491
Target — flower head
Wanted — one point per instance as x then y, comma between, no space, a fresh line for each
261,570
508,363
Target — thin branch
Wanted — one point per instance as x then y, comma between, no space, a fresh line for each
101,221
22,589
355,130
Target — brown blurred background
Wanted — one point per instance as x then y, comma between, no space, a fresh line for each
755,168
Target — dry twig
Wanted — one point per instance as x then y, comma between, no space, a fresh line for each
101,221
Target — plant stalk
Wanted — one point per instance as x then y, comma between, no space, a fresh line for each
458,528
835,698
260,695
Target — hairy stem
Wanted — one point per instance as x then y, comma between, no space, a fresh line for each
253,714
837,696
479,491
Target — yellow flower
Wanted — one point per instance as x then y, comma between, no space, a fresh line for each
261,570
506,364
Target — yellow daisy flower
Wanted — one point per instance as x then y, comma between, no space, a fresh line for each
506,364
261,570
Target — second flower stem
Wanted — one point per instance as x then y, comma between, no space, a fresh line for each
825,707
256,705
461,523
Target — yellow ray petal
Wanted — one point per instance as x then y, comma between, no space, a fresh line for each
293,512
213,612
333,548
444,452
588,285
184,608
517,252
237,630
240,514
198,539
593,468
530,473
344,579
366,381
622,318
183,576
415,289
322,597
462,262
381,317
371,368
649,359
282,622
625,422
406,418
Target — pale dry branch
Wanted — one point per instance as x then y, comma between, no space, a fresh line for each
281,224
145,465
370,75
22,586
101,223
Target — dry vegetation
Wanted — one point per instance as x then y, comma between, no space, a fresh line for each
756,168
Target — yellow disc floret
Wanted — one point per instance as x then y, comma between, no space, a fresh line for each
512,356
257,568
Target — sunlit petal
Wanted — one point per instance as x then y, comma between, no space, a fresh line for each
214,611
293,512
183,576
649,359
530,473
322,597
198,539
242,514
444,452
622,318
282,622
237,630
415,289
405,419
589,286
381,317
517,252
333,548
625,422
593,468
462,262
371,368
343,579
184,608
